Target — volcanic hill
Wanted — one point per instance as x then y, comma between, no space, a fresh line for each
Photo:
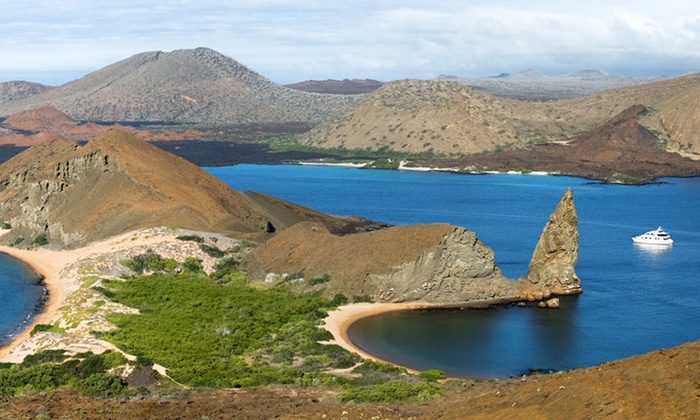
73,195
450,119
196,85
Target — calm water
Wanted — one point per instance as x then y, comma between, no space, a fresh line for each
635,299
21,296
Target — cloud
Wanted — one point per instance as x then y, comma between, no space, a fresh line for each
289,41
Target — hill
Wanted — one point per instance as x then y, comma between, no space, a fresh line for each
620,149
72,195
36,126
40,119
450,119
196,85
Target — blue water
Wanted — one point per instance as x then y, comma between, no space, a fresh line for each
635,299
21,296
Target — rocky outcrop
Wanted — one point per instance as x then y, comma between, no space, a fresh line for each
436,263
458,269
551,269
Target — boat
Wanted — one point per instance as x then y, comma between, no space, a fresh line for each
654,237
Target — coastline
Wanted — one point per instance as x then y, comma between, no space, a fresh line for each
46,264
339,320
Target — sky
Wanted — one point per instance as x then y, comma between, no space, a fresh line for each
54,42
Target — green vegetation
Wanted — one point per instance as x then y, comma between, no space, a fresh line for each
626,179
325,278
150,261
220,335
212,251
216,331
46,327
193,238
51,370
40,240
18,240
384,164
6,225
361,155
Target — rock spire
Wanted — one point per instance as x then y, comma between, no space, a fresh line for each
551,269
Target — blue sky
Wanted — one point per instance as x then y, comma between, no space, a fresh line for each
53,42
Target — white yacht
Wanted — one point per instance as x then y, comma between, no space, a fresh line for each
654,237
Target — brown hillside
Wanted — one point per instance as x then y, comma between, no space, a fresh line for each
621,146
39,119
198,85
116,183
450,119
47,122
677,119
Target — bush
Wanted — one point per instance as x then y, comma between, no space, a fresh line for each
325,278
193,265
193,238
362,298
433,375
339,299
212,251
390,392
40,240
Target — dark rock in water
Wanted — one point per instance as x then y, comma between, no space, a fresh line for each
551,269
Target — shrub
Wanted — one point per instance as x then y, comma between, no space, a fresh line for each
339,299
212,251
193,238
40,240
325,278
390,392
193,265
433,375
362,298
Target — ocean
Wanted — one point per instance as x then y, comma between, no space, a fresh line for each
636,299
21,296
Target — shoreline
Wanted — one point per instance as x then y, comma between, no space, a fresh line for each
46,264
339,320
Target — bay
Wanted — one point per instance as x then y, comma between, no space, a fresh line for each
21,296
635,299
